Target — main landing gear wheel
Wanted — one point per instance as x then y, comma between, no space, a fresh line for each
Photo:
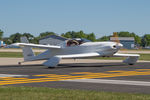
131,64
19,63
51,67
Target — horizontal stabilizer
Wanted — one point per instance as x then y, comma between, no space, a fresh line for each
125,55
131,58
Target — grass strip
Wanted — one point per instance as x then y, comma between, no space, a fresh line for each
142,57
43,93
13,54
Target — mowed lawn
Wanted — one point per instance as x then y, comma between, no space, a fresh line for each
19,55
43,93
142,57
13,54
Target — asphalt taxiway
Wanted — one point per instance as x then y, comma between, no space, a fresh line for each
110,76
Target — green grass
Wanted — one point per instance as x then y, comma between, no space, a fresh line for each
145,57
19,55
135,49
12,54
42,93
142,57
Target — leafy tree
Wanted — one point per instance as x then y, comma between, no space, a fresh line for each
29,36
143,41
80,34
36,40
146,40
73,34
7,40
15,37
91,37
124,34
67,34
44,34
1,34
104,38
137,39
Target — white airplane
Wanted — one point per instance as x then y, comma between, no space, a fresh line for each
73,49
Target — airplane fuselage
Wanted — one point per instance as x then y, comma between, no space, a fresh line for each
103,48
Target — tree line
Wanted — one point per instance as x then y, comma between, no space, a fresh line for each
142,41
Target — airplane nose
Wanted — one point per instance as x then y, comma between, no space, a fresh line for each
117,46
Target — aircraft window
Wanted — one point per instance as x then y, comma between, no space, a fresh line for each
72,43
76,41
81,40
85,40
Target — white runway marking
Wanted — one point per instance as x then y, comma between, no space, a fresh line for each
11,75
106,81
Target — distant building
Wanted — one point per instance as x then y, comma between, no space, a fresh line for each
128,42
52,40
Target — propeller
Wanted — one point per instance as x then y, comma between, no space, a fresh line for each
116,39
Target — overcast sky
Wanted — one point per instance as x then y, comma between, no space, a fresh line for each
99,16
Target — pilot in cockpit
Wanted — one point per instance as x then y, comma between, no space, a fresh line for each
72,43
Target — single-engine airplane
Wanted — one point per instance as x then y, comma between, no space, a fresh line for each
73,49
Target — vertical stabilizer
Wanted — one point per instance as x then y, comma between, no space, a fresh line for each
27,51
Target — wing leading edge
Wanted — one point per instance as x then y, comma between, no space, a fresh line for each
36,45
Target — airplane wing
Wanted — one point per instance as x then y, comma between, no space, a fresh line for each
95,54
36,45
84,55
125,55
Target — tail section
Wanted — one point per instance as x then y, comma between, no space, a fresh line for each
27,51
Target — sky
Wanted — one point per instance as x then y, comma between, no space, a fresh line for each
103,17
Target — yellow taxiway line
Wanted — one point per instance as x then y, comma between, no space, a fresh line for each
72,76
